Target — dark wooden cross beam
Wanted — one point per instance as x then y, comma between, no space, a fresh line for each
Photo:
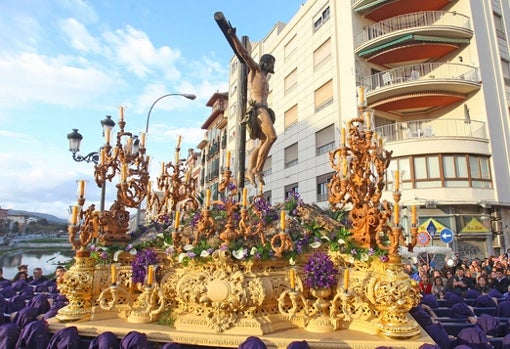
243,91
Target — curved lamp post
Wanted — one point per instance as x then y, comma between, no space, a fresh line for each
75,139
185,95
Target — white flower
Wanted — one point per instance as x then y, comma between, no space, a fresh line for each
240,253
316,244
204,253
351,259
133,251
160,235
188,247
116,255
181,257
292,261
341,241
253,251
364,257
325,238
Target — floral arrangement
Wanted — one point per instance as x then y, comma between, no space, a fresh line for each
139,265
320,272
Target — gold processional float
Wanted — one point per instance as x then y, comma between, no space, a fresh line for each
233,266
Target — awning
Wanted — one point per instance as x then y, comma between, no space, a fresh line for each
474,226
370,5
412,37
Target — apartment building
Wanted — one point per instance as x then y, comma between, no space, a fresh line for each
437,74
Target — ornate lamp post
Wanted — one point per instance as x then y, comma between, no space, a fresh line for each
75,139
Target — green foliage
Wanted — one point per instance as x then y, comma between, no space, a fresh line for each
167,318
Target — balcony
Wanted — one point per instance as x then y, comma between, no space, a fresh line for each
421,36
378,10
420,88
427,128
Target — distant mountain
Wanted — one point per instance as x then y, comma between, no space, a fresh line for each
48,217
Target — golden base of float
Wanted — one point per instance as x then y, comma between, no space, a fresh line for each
222,301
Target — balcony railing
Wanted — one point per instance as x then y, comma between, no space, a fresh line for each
412,20
416,72
420,129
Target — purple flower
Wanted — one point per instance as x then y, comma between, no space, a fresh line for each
142,260
320,271
354,252
371,251
384,258
191,254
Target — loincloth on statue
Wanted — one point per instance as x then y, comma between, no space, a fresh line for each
251,119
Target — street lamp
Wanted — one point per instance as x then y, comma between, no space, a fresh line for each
185,95
74,147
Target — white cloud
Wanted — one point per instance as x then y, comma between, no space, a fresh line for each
79,36
134,49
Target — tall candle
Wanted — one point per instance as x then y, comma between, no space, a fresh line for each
344,166
179,140
346,279
162,168
114,273
103,156
107,135
177,157
292,278
150,275
396,214
282,220
142,140
361,96
397,180
228,159
207,197
343,136
74,215
149,187
413,215
245,197
123,173
121,113
177,221
81,188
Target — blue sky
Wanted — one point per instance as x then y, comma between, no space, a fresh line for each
66,64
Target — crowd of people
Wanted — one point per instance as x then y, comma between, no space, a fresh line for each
464,276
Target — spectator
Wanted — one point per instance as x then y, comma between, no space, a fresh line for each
59,274
20,275
438,288
460,282
501,282
425,285
449,280
482,285
37,278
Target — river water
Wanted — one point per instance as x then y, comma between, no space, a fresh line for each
48,260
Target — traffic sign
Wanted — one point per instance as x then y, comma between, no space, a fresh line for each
431,228
446,235
423,238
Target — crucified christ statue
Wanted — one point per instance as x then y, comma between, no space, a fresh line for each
259,118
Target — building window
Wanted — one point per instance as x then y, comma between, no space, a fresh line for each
505,67
320,18
290,47
325,140
235,64
267,196
291,155
441,170
321,54
498,24
290,117
323,96
291,189
322,186
290,82
267,170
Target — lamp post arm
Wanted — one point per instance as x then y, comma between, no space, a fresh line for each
90,157
188,96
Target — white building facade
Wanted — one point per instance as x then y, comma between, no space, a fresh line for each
437,74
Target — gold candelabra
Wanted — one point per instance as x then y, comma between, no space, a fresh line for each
177,188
